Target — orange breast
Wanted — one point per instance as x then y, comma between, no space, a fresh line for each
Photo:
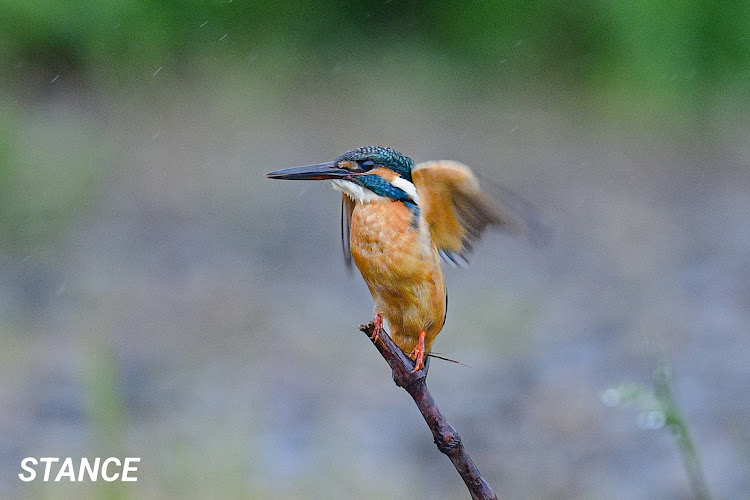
402,269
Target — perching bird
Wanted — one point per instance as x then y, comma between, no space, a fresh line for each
398,220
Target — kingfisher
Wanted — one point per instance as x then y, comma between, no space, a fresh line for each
398,221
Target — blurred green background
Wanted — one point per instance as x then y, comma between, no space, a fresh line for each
162,299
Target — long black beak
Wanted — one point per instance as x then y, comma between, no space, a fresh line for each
311,172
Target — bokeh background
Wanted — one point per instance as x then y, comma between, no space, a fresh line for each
160,298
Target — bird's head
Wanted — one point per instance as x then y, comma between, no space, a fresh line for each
365,174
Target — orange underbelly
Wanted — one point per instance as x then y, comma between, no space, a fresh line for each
402,270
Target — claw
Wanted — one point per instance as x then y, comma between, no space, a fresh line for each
417,355
377,320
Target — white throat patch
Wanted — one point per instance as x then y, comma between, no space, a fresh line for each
364,195
356,192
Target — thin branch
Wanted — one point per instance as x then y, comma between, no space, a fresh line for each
446,438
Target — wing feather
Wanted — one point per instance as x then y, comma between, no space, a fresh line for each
458,211
347,206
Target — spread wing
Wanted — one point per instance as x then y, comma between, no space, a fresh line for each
347,206
458,211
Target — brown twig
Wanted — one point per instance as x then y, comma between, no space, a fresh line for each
446,438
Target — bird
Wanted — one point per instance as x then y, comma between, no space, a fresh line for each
400,221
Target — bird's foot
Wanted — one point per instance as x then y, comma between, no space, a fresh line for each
417,355
377,322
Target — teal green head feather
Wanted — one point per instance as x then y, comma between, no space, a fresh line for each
380,157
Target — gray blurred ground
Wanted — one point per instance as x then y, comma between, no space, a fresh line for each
200,317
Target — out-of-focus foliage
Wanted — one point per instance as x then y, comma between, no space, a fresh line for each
47,171
658,54
660,409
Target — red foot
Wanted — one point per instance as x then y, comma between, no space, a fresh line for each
417,355
378,322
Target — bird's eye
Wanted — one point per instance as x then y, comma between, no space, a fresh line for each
366,165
